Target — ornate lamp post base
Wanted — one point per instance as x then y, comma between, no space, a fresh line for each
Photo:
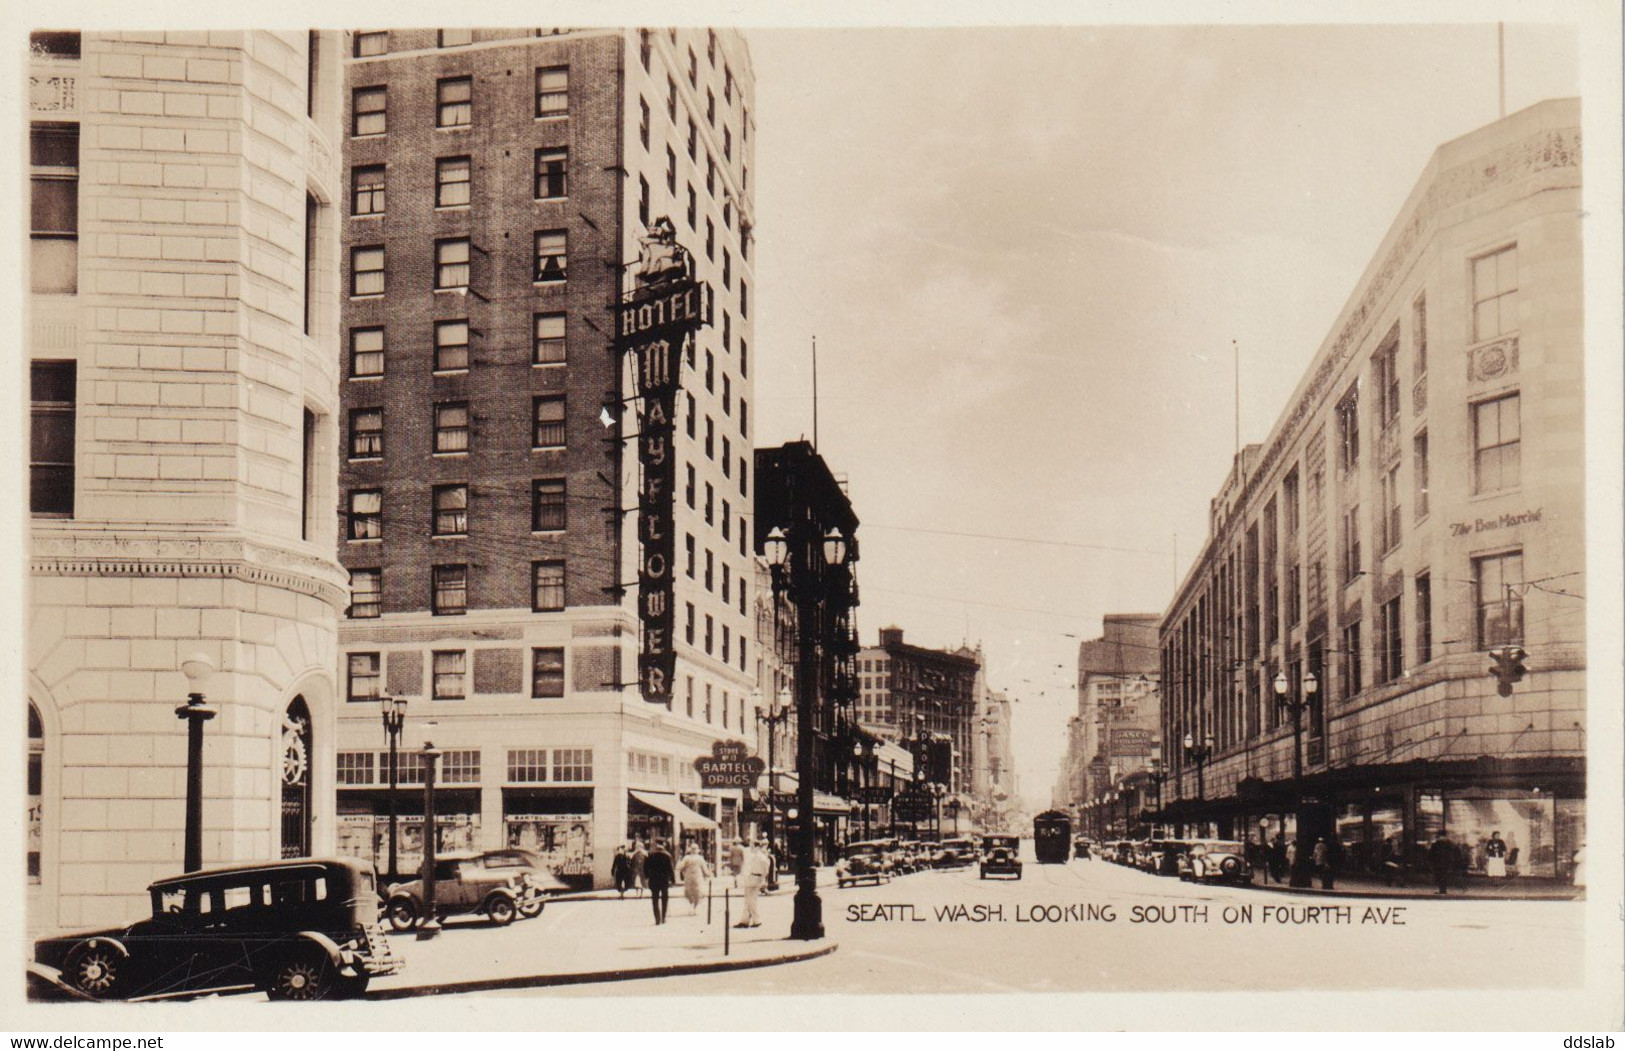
808,922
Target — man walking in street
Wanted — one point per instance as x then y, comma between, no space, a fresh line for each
620,870
639,857
658,873
1278,859
1442,858
757,867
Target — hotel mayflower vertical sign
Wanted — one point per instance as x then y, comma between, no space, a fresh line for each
655,322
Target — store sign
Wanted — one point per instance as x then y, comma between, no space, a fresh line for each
1132,741
874,794
730,765
653,326
1484,525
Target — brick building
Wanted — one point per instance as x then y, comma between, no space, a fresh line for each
1419,502
908,692
499,182
183,334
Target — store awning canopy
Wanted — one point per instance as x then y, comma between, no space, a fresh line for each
824,803
670,804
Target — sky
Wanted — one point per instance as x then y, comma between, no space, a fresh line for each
1026,255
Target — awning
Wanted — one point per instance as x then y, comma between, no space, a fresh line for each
824,803
678,809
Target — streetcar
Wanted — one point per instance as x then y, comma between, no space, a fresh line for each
1052,837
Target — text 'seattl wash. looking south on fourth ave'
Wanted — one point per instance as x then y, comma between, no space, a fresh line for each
424,435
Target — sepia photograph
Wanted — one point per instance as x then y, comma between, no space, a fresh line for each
820,513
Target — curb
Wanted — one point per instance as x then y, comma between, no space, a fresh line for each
1319,892
536,981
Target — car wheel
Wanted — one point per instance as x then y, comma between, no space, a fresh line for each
531,909
95,970
403,913
500,911
304,975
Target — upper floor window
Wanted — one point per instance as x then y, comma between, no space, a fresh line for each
1290,512
552,255
368,111
366,514
1386,368
456,37
553,91
1419,334
54,207
1419,461
366,352
366,433
1497,440
552,168
548,505
366,676
366,593
454,102
547,586
371,43
450,510
367,271
1495,294
643,201
450,345
449,590
548,432
1351,545
644,48
451,182
643,122
367,190
451,264
451,427
450,673
671,171
1348,430
54,401
550,344
547,676
1497,600
693,69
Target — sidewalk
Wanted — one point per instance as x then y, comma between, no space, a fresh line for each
1477,888
593,938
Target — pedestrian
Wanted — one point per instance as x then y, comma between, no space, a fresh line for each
639,858
1389,862
753,877
659,874
1278,857
1442,858
1292,858
692,872
620,870
1323,863
1495,857
736,858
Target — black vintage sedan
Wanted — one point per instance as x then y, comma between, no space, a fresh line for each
300,929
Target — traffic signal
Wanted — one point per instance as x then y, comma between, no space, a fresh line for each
1508,668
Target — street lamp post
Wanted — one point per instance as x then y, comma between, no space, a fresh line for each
777,712
394,715
197,668
1302,866
1199,754
1158,775
431,917
858,754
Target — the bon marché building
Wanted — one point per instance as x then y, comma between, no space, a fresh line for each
1418,503
498,183
183,338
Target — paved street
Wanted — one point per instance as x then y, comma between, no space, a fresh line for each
893,940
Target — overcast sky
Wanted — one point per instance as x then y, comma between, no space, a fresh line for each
1025,254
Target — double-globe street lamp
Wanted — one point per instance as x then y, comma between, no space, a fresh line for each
1200,754
800,555
1296,705
394,715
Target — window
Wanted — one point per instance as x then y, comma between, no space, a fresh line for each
643,48
688,551
693,140
671,100
1496,441
456,37
368,111
552,255
643,121
1348,429
571,764
451,264
742,483
549,339
693,69
727,578
54,207
744,417
449,670
354,768
728,143
728,213
688,632
693,212
52,424
1496,599
727,520
744,299
553,91
366,514
710,495
727,83
1495,294
1420,450
547,675
710,371
366,433
450,346
1390,642
548,431
727,269
450,590
1289,502
367,190
643,201
450,510
710,108
461,766
547,505
688,488
1294,594
711,46
364,676
688,417
547,586
552,169
710,239
1386,368
1388,509
710,570
1351,660
710,438
744,359
367,271
451,182
1419,334
727,457
671,171
527,765
1351,544
710,630
451,427
1424,618
710,174
366,593
371,43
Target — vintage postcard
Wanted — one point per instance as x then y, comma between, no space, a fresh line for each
1039,520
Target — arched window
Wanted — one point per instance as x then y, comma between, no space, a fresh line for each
296,756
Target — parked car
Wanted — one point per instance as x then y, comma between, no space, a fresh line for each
862,863
957,853
464,883
1216,861
533,870
300,929
1001,856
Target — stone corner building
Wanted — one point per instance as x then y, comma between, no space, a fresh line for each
182,334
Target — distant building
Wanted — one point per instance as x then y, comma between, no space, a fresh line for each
1419,503
909,692
1117,731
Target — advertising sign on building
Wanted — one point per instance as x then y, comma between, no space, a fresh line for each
730,765
1130,740
654,324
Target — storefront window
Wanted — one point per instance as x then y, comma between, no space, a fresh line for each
1351,836
1525,821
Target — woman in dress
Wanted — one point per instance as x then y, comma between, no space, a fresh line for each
692,872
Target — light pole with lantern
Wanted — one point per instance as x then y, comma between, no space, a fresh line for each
1199,754
197,668
1158,775
394,715
1296,705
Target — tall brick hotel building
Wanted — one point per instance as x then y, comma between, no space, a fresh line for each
497,186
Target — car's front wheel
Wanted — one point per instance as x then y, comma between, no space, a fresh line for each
96,970
500,911
303,975
531,909
403,913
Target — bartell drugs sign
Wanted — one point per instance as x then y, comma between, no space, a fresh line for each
730,765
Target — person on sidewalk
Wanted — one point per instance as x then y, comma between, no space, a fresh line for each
1495,857
620,870
1278,858
754,877
1388,861
736,859
1442,859
659,874
639,858
1322,857
692,872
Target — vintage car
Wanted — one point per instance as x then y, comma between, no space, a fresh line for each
956,853
300,929
1215,861
535,872
464,884
1001,856
862,863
